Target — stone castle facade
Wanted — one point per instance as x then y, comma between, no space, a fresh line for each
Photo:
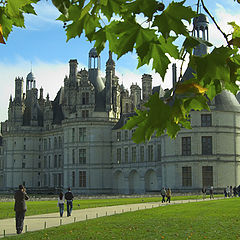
76,139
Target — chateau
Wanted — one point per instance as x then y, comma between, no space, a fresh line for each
76,139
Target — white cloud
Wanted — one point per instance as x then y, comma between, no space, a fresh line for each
45,18
223,16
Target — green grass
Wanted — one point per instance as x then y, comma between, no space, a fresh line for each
201,220
42,207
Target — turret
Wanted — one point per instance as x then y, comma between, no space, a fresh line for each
200,30
73,70
18,90
146,86
94,70
135,95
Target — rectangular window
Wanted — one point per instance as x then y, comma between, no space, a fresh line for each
55,142
24,147
126,155
186,146
134,154
150,153
45,161
45,144
49,161
206,120
159,152
59,142
207,176
23,164
206,145
82,179
55,161
126,134
73,134
82,134
186,176
49,143
73,179
141,153
82,156
39,164
118,136
119,157
85,113
85,98
60,161
73,156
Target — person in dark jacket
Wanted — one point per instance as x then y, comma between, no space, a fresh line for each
20,207
69,198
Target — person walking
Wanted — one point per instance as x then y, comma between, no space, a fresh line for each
211,192
163,193
228,191
204,192
168,195
20,207
61,201
69,197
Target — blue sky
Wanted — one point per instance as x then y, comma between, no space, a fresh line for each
43,43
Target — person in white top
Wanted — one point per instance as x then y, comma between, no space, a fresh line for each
61,201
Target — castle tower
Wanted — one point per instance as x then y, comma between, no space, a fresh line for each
110,73
135,95
94,70
200,30
73,70
18,90
31,82
146,86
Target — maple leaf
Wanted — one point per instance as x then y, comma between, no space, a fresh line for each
171,19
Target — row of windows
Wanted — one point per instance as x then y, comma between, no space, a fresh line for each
47,143
123,156
82,159
82,133
125,136
58,162
207,176
206,145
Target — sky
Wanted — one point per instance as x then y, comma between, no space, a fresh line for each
42,47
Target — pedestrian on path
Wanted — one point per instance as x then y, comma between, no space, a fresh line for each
163,193
168,194
211,192
20,207
61,201
69,198
204,192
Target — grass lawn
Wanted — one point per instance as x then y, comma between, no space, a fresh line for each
41,207
201,220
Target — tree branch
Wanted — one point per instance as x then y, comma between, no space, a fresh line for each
210,15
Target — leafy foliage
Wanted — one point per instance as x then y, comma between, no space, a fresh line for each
117,22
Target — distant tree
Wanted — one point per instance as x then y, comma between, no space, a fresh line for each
115,21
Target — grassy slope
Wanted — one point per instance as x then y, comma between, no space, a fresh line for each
202,220
41,207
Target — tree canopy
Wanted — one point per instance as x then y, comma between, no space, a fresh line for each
116,22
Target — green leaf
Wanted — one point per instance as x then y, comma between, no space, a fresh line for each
29,9
146,7
171,19
14,7
63,5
